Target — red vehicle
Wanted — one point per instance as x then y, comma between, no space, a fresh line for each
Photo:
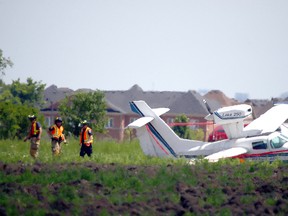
218,134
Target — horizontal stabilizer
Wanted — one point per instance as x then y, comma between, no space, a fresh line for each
160,111
140,122
232,152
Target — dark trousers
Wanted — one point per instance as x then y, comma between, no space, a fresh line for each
85,150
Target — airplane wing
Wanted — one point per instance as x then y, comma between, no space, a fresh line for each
140,122
232,152
270,120
160,111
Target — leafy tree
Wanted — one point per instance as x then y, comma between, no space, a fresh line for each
5,93
197,134
184,131
181,131
13,120
4,63
84,106
17,101
30,93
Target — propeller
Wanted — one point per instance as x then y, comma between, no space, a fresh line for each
207,107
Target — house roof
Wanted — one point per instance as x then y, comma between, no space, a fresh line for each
217,99
179,102
190,102
53,94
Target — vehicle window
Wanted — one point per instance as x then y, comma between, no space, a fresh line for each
277,142
259,145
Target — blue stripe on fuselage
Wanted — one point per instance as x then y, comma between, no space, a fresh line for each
270,155
135,109
161,139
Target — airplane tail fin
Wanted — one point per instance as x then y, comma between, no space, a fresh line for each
156,137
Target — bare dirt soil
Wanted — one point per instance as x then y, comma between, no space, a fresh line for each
267,197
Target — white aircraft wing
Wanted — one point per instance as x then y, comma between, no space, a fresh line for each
232,152
140,122
270,120
160,111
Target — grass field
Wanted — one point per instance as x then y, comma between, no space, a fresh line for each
104,152
119,180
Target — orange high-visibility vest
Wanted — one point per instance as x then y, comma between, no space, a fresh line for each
86,137
57,132
34,131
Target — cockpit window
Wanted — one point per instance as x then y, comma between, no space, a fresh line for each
259,145
277,142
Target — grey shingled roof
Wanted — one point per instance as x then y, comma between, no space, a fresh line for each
53,94
217,99
179,102
188,103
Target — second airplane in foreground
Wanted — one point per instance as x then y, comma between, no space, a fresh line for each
264,138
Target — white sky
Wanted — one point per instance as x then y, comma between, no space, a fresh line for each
174,45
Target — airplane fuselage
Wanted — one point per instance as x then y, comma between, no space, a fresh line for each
269,146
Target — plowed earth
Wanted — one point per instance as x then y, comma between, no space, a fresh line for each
193,200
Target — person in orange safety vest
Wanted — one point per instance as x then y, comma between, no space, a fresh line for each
57,136
86,139
34,135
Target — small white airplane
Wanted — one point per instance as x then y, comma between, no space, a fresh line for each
264,138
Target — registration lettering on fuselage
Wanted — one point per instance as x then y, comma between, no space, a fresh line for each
232,115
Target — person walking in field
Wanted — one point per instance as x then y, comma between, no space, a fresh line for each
57,136
86,139
34,135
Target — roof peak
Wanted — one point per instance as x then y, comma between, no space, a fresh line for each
136,87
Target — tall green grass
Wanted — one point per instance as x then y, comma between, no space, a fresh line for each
104,152
124,153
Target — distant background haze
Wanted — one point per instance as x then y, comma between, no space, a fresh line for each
161,45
